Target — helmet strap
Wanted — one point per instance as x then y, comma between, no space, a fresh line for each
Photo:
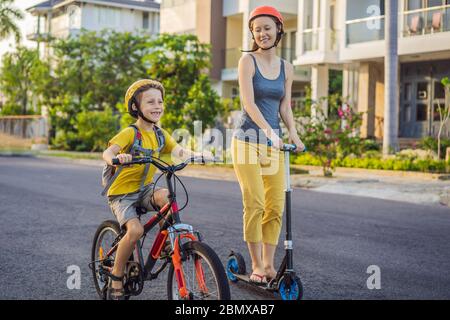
140,114
144,117
280,34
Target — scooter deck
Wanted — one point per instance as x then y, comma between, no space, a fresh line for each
246,278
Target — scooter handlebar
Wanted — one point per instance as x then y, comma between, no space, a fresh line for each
290,147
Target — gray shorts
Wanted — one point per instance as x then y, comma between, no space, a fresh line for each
124,206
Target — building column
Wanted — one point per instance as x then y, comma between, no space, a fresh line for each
390,132
300,27
319,85
366,99
247,35
350,84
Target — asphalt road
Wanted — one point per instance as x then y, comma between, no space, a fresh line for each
50,209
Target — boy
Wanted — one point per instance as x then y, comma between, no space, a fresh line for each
144,99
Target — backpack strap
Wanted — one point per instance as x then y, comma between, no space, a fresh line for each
135,149
160,137
137,139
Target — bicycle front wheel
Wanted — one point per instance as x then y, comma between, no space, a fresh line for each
203,273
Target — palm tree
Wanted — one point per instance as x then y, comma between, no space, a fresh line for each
391,100
8,17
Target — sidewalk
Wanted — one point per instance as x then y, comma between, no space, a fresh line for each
412,187
418,188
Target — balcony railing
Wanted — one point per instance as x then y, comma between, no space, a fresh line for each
310,40
366,29
426,21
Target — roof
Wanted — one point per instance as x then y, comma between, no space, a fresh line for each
49,4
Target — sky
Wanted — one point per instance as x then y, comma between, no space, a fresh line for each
25,25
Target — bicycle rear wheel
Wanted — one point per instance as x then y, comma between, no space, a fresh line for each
203,272
106,233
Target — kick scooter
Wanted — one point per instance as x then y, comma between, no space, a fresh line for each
286,283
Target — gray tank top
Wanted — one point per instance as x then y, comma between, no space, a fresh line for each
268,95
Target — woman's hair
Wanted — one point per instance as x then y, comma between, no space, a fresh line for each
277,25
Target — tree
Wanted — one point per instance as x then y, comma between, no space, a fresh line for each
444,113
8,17
91,72
390,132
20,77
179,62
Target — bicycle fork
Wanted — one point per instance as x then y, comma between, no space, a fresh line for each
177,234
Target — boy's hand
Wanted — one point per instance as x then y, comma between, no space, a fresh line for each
124,158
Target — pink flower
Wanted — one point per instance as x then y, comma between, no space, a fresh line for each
327,131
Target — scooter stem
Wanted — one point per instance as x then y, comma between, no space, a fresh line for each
288,243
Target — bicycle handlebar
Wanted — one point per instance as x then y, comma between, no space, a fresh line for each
161,165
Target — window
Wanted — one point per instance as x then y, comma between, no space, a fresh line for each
319,21
234,93
436,116
439,91
406,113
108,17
407,92
145,23
421,112
293,44
332,16
414,4
309,14
359,9
422,91
365,21
435,3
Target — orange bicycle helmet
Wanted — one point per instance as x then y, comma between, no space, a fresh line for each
267,11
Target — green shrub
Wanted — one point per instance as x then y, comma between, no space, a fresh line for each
373,160
95,128
430,143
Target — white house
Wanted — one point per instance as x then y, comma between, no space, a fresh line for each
348,35
62,18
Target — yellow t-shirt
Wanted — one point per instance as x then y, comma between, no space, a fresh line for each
129,179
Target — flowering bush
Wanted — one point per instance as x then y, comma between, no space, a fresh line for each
332,134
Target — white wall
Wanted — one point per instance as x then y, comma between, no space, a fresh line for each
179,19
100,17
233,7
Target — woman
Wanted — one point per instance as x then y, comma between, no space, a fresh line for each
265,83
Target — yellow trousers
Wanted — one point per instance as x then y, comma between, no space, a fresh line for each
260,172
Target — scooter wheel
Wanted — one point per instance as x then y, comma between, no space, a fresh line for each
290,289
235,265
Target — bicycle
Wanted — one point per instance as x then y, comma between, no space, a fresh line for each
195,270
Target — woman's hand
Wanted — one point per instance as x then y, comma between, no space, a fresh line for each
295,139
276,141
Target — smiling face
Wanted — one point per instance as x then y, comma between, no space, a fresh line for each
265,31
151,104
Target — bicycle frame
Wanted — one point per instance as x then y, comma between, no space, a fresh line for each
176,231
